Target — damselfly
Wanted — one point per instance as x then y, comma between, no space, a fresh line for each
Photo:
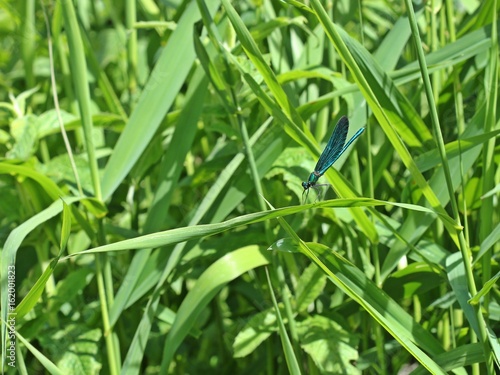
335,147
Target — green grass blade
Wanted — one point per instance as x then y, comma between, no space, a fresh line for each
48,186
290,357
81,84
179,235
455,359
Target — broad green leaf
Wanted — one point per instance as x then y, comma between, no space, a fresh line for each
254,332
331,347
221,272
83,356
310,285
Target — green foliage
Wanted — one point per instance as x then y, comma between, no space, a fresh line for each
144,147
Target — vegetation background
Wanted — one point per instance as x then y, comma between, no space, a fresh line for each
150,183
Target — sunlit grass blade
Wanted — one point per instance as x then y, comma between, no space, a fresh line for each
179,235
431,158
485,289
455,359
36,291
48,186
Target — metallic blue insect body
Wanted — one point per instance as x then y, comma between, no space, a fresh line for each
333,150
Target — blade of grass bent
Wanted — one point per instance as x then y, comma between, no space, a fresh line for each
44,361
48,186
188,233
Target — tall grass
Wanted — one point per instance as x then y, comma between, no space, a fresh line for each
168,235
